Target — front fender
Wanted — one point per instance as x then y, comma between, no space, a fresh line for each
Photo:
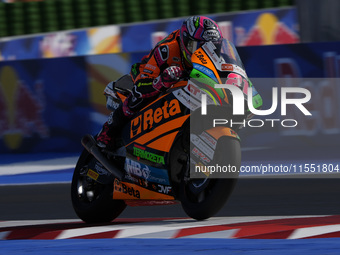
218,132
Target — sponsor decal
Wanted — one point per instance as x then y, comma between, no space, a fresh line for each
148,155
202,146
121,187
200,155
148,66
209,49
144,84
148,71
100,169
196,93
186,100
200,56
164,189
227,67
239,70
146,120
210,35
193,90
205,70
162,180
92,174
135,168
208,139
142,174
233,68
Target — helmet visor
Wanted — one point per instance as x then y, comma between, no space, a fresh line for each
193,45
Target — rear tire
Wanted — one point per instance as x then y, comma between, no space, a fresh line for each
91,200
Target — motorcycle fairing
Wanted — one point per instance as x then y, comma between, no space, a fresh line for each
218,132
130,191
154,129
149,136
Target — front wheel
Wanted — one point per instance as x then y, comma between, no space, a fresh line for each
91,200
203,198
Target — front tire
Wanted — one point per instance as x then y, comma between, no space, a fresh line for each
91,200
203,198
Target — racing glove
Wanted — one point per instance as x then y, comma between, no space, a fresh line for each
168,78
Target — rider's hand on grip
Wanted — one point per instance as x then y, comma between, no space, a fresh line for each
171,75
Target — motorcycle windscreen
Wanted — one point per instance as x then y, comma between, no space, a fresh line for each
230,54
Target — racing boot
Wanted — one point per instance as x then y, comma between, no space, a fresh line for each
112,129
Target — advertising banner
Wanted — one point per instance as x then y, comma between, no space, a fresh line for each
44,105
90,41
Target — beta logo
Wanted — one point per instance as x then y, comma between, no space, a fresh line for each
146,120
123,188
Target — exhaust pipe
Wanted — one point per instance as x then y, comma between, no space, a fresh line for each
90,145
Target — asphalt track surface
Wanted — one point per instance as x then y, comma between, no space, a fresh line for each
251,197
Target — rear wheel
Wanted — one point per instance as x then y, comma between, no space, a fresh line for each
92,201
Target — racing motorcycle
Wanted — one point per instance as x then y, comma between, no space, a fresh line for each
165,148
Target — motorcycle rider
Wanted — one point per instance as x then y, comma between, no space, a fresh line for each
158,71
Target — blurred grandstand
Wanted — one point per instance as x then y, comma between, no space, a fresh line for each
22,17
